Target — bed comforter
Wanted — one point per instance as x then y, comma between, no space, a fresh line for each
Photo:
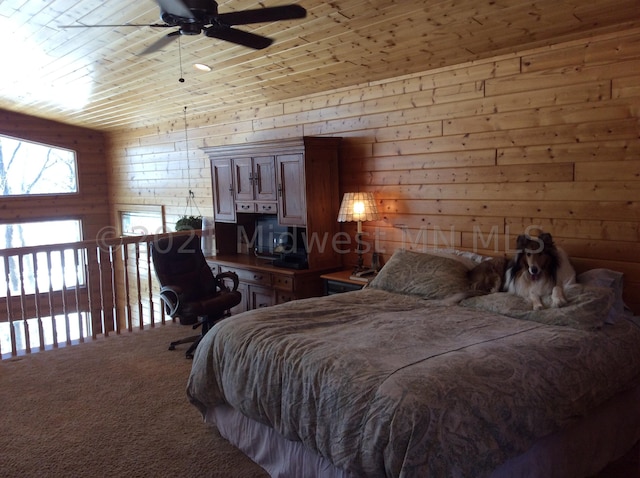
387,384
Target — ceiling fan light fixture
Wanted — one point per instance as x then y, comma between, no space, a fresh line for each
201,67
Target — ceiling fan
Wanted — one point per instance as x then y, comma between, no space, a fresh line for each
193,17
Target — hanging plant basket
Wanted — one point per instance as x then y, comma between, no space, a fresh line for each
187,223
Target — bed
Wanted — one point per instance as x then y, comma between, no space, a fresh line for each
402,380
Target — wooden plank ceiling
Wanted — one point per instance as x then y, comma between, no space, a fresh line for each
95,77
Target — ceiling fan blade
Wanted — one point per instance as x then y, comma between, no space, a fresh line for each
240,37
154,25
160,43
175,7
260,15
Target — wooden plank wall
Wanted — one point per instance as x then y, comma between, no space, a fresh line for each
90,205
467,156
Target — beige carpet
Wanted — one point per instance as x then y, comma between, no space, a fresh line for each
115,407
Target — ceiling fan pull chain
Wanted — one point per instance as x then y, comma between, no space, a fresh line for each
181,79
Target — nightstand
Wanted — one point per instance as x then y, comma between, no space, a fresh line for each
338,282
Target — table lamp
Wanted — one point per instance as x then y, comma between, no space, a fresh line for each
358,207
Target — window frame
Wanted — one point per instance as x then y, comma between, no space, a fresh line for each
153,211
42,144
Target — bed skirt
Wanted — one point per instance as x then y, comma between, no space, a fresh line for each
582,450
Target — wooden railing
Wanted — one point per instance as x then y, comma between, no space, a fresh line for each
68,293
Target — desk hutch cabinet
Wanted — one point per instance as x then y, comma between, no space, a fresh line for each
295,179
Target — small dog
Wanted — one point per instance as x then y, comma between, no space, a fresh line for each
488,276
539,269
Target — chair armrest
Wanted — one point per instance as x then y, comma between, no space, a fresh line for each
170,295
227,275
214,306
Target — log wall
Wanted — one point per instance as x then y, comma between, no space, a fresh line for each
466,156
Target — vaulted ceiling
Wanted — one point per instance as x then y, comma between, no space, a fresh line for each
96,77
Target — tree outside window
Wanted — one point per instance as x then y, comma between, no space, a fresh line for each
28,168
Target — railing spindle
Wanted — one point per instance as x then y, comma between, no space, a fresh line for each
65,309
76,267
138,284
127,291
51,299
23,306
36,300
103,318
150,285
12,331
114,291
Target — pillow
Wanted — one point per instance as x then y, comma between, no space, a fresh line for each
426,275
610,279
471,259
587,307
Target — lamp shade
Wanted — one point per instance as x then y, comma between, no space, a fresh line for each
358,207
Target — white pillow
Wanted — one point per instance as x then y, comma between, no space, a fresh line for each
610,279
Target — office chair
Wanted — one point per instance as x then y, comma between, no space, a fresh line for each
189,289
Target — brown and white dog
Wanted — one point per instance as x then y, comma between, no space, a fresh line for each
539,269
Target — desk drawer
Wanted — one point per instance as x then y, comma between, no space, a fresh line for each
245,207
250,276
283,282
283,296
267,208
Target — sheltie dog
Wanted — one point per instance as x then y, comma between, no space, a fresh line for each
539,269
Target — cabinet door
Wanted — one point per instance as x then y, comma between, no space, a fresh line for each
291,190
243,178
243,306
222,184
260,297
264,178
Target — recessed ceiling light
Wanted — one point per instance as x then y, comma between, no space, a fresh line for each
201,67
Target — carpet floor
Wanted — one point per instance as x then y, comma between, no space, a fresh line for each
115,407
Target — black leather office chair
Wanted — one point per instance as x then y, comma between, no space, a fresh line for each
189,289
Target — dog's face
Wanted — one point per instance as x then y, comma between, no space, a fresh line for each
536,255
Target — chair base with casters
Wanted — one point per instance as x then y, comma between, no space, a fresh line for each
189,290
207,322
186,340
194,340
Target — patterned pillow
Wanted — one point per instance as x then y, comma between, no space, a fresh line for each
429,276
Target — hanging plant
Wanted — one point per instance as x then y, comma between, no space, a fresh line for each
186,223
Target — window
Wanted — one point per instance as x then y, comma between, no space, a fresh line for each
50,270
28,168
138,219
